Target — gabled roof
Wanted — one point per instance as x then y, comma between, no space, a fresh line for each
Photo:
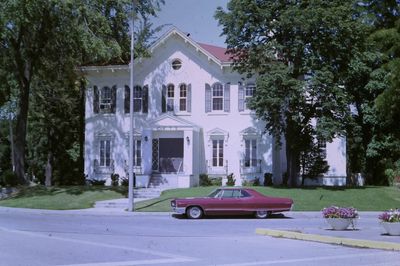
168,121
214,53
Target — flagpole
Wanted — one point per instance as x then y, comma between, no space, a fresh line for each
131,129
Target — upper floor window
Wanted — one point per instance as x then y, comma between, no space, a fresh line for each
245,94
217,97
182,97
140,99
322,147
137,99
170,97
104,99
176,64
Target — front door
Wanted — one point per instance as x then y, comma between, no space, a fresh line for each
170,155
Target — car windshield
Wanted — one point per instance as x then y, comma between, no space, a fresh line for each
214,193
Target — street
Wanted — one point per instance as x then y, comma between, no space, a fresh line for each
35,237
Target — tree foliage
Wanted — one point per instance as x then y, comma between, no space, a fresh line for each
41,45
299,51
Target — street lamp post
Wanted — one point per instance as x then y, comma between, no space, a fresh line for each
131,128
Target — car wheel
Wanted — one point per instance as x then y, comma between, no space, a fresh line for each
262,214
194,212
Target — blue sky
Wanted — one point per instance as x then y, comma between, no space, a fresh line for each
195,17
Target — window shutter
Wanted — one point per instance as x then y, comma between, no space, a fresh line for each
145,99
227,97
127,99
113,98
241,97
164,99
189,98
96,98
208,98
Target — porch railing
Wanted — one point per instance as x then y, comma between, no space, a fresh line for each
217,170
250,166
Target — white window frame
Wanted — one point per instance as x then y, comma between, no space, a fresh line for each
170,95
105,99
137,99
250,152
218,143
105,152
183,92
249,91
217,94
137,152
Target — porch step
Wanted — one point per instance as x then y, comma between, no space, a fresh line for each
161,181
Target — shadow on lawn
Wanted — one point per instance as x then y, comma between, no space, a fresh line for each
330,188
40,190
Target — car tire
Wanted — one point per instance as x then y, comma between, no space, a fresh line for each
262,214
194,212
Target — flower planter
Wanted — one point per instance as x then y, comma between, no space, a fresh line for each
340,223
392,229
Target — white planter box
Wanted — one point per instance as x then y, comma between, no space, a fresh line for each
340,223
392,229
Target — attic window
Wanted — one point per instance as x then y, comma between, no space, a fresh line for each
176,64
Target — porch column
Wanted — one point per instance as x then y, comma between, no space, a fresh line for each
188,143
147,140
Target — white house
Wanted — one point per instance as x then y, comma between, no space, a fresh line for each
190,118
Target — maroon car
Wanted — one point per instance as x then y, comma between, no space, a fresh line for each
231,201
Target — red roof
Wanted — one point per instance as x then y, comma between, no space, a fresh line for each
218,52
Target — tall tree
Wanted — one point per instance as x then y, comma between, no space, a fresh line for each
34,33
299,50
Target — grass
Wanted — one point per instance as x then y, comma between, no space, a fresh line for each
369,198
306,199
61,198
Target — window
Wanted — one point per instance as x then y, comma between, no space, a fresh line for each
137,99
137,152
105,153
218,153
170,98
217,97
105,99
182,97
176,64
248,94
322,147
250,155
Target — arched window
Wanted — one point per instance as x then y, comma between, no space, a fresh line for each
183,97
170,97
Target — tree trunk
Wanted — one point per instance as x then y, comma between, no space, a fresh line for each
81,130
293,166
20,134
49,169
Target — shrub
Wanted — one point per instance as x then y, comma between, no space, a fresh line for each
9,178
95,182
205,181
256,182
230,180
216,181
114,180
124,181
268,179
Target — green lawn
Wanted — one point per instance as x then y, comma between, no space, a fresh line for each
61,198
305,199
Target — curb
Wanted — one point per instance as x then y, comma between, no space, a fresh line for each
358,243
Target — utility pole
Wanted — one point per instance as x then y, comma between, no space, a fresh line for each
11,141
131,128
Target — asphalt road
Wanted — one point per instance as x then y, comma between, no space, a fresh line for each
70,238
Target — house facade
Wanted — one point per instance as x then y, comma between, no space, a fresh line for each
190,118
